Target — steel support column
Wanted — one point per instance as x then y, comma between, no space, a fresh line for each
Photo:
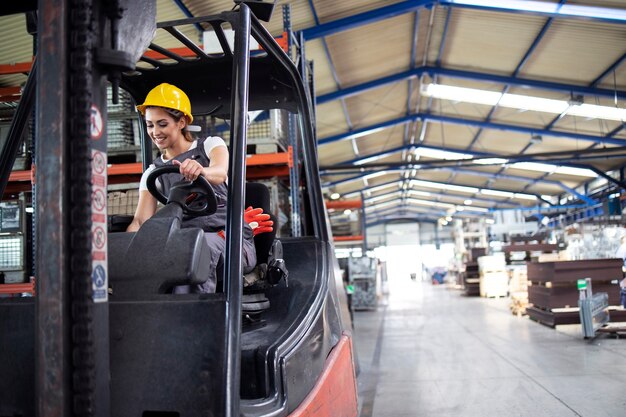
234,220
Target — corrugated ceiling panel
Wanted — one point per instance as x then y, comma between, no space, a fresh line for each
381,141
328,10
448,135
494,41
375,106
301,15
330,119
511,143
372,51
515,117
336,153
572,42
594,127
324,81
456,109
168,10
16,47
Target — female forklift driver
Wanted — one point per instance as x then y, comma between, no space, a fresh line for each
167,113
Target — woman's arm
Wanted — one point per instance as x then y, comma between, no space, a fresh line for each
217,171
146,207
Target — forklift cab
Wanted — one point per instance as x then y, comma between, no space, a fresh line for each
139,350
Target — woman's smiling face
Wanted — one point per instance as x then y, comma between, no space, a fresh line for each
163,129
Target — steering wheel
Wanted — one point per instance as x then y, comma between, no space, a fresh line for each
197,198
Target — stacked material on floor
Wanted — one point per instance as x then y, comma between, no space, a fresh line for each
362,274
471,277
554,294
518,289
494,279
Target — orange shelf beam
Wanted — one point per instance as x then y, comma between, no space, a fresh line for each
25,67
344,204
28,287
17,68
259,166
347,238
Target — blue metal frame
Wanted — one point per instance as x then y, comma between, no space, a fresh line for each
480,174
610,69
542,8
439,195
528,7
412,64
519,67
468,75
188,13
367,130
333,70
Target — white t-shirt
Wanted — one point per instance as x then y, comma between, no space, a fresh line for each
209,144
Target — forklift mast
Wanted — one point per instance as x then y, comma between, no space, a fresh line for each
81,44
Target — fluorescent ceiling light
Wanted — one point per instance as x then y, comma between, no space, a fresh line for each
374,175
468,202
554,169
491,161
497,193
379,205
543,7
528,166
443,186
370,159
479,209
439,154
372,189
382,197
507,194
430,203
420,193
522,102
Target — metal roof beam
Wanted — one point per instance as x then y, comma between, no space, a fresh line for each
448,195
517,70
610,69
333,70
365,18
602,14
542,8
368,130
480,174
468,75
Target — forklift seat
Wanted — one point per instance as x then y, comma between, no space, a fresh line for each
270,268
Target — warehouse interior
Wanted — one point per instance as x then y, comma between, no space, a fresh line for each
470,158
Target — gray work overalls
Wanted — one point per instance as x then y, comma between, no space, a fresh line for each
210,224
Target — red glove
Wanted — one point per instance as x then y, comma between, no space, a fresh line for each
258,221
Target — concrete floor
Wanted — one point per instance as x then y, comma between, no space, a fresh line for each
430,351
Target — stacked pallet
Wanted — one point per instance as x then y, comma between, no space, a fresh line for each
518,290
471,277
554,293
493,279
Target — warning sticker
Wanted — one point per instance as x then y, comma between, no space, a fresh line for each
99,163
99,236
97,124
99,200
99,278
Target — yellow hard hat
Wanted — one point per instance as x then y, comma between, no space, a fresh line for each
169,96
